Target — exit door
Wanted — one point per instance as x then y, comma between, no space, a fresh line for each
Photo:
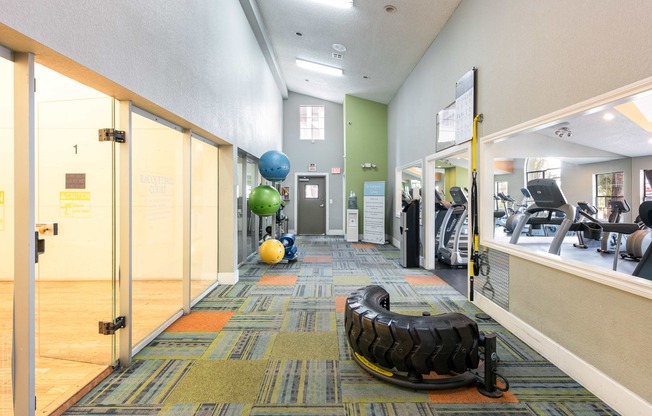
311,215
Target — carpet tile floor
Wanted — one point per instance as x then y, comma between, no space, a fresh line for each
273,344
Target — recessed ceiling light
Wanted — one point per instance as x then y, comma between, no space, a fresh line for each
649,140
608,116
390,9
339,47
324,69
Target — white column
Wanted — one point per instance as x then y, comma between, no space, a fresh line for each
24,238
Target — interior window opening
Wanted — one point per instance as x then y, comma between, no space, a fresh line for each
597,161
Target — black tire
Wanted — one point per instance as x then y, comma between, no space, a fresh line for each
446,343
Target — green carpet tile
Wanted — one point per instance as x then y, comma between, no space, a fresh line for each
283,351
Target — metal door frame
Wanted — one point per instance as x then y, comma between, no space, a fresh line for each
295,209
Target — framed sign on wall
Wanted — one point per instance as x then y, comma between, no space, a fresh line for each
445,128
464,107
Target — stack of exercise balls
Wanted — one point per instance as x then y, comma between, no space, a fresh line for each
265,200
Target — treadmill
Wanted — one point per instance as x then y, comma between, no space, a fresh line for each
549,199
450,250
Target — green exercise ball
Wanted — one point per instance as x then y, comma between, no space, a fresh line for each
264,200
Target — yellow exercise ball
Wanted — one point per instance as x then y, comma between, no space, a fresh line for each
271,251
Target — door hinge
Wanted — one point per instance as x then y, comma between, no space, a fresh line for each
111,135
109,328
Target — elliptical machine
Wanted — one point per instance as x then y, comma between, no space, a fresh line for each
441,208
618,208
450,250
590,231
517,213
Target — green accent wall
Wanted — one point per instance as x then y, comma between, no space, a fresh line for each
456,176
365,132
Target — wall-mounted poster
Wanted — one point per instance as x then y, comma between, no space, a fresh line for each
445,128
464,107
285,193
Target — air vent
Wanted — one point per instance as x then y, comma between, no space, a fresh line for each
337,55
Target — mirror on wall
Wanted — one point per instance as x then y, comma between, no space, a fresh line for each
451,211
410,184
597,162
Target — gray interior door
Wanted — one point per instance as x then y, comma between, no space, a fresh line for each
311,218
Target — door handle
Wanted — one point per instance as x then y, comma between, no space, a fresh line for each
321,206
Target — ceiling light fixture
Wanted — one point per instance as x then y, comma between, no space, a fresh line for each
390,9
339,47
563,132
609,116
324,69
342,4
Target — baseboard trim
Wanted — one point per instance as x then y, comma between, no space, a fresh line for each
335,232
228,278
623,400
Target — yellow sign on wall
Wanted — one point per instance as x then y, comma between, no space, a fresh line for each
75,204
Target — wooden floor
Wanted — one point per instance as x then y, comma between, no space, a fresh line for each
70,353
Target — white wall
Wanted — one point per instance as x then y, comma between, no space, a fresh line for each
198,60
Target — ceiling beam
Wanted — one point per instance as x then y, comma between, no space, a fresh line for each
257,24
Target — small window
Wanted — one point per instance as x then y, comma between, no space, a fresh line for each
539,168
311,122
311,191
647,185
608,187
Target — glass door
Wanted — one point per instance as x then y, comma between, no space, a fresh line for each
6,232
76,217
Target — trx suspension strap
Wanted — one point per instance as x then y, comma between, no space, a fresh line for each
474,262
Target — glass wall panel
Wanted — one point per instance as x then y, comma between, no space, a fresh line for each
253,222
6,230
242,209
75,276
157,221
249,224
204,231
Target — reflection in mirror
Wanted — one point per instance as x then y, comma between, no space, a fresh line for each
599,163
410,184
410,197
451,212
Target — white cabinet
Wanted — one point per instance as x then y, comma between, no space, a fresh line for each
351,225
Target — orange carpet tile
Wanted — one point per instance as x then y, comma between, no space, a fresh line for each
201,322
424,280
280,280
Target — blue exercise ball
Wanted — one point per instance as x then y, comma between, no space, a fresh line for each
274,166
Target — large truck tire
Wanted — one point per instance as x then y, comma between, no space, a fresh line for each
446,343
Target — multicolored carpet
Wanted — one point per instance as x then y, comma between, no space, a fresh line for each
273,344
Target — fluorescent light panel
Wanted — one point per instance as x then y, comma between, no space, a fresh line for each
342,4
645,106
324,69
